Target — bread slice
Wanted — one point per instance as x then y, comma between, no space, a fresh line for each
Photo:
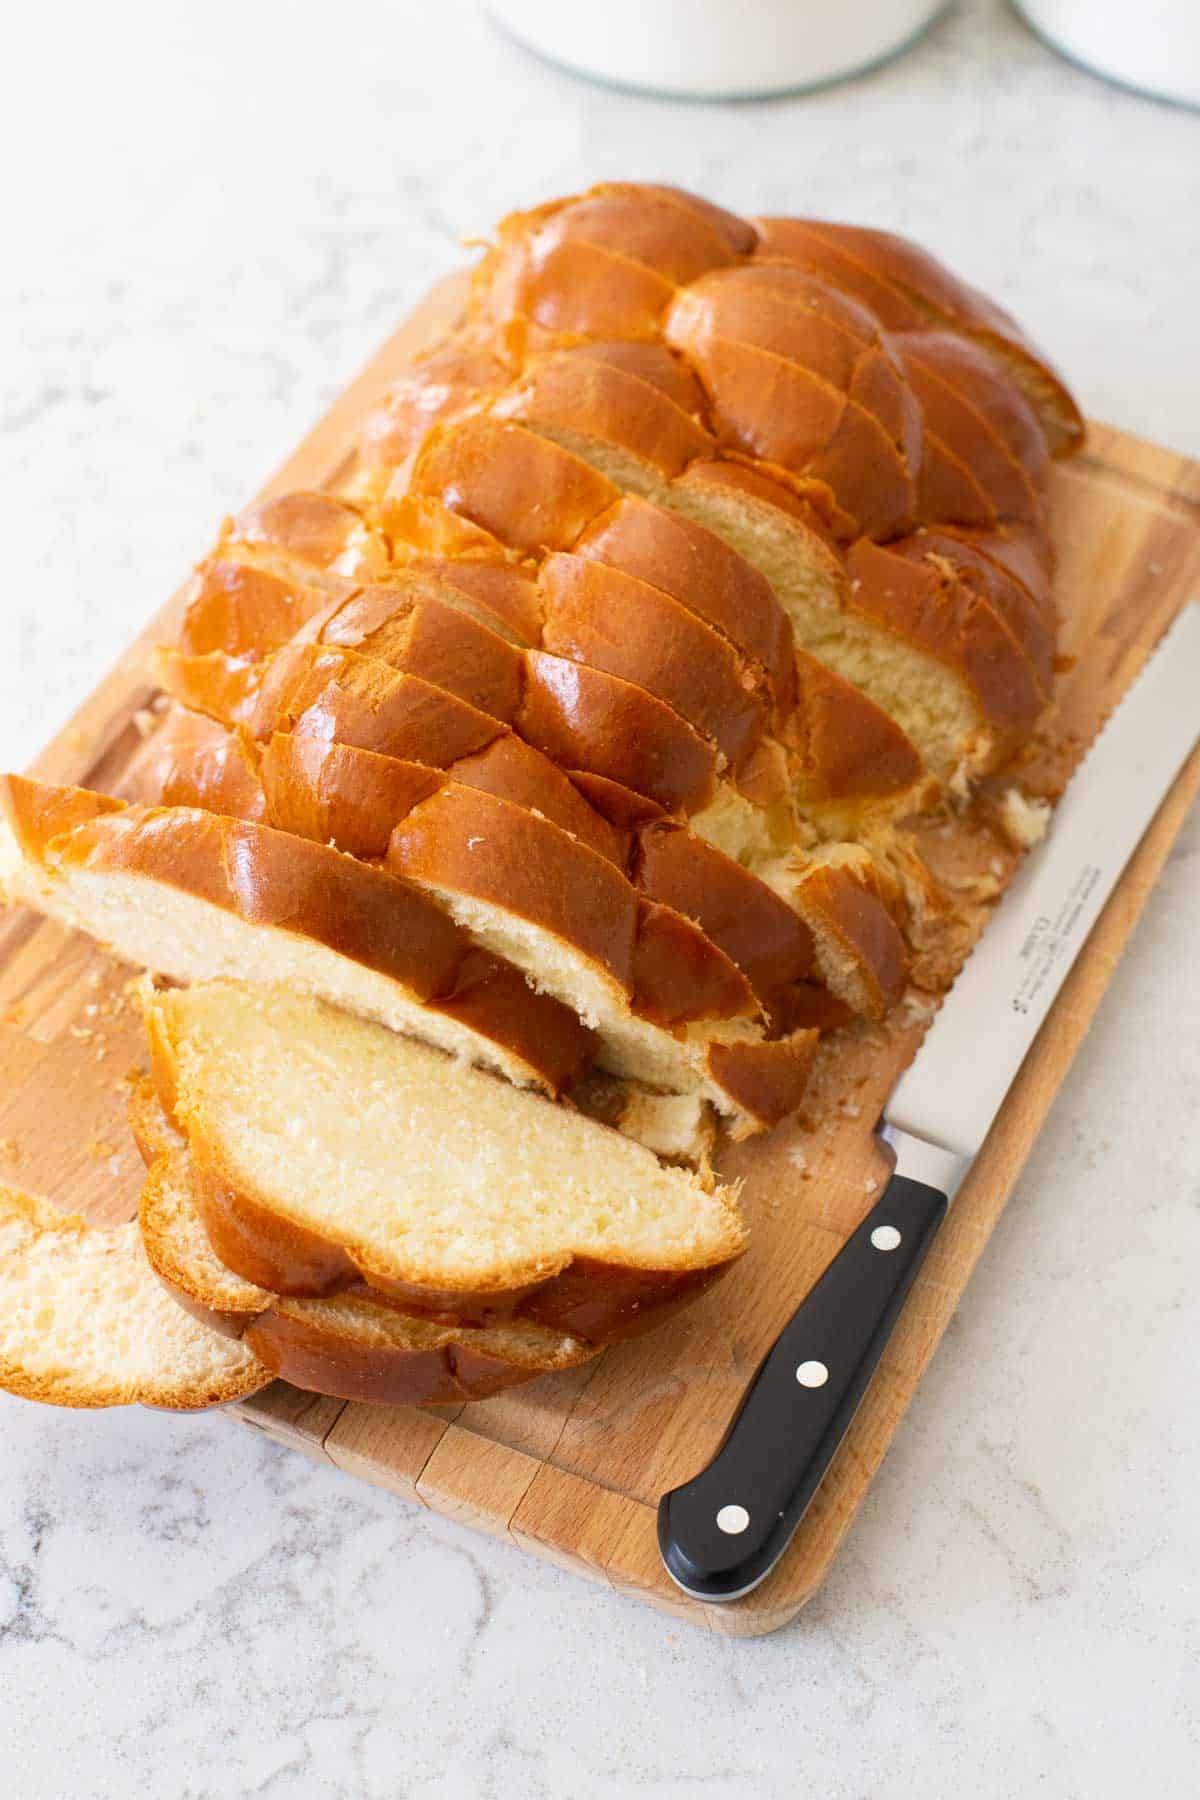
909,290
956,405
315,538
614,621
84,1321
353,1346
911,660
627,428
443,384
585,718
437,636
327,1150
540,289
701,573
773,408
193,760
242,609
195,896
650,982
527,491
979,382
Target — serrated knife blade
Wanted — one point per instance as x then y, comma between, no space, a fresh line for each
722,1532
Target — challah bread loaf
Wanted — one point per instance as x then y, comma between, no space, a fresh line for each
329,1151
85,1322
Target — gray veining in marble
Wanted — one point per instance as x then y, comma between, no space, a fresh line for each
212,214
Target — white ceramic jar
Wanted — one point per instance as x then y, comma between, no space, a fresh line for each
1153,46
716,49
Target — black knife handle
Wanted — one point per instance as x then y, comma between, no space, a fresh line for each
722,1532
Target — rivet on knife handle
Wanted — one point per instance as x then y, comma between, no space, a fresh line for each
722,1532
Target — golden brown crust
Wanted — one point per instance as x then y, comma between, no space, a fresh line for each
271,879
767,1082
505,596
859,949
965,433
679,974
910,291
776,410
516,771
243,610
419,634
737,234
192,760
756,929
791,314
328,535
528,492
464,841
337,794
600,615
579,400
538,288
439,386
704,575
846,747
621,806
993,395
351,699
470,844
917,597
583,718
652,363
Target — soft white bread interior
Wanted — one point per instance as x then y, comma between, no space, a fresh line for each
84,1321
327,1149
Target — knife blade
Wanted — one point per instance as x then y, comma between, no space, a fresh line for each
722,1532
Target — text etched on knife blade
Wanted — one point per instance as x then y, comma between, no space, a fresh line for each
1050,940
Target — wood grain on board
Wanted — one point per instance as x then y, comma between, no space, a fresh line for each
571,1466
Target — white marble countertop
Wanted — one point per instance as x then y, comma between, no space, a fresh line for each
213,214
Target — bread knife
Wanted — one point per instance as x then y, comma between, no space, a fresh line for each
722,1532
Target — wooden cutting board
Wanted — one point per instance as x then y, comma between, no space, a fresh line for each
571,1467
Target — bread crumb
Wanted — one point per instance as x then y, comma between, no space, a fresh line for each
10,1150
870,1185
797,1158
1023,818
